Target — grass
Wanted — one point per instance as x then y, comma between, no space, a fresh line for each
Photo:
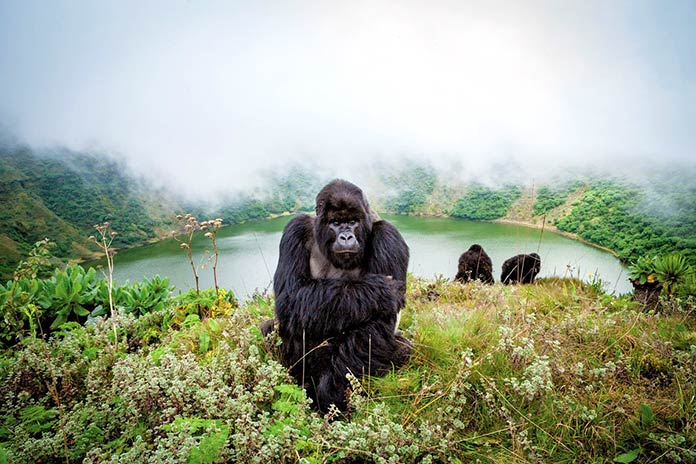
556,371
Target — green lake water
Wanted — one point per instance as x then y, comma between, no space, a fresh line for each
249,254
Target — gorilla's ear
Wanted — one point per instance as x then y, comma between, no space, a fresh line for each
319,209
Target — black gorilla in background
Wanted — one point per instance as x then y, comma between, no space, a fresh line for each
475,264
339,288
521,269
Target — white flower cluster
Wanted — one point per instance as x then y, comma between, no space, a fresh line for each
536,379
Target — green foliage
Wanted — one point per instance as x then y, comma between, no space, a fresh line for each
672,270
623,218
628,457
212,435
483,203
39,262
30,306
37,419
290,190
554,372
550,197
20,305
138,298
72,293
207,303
643,271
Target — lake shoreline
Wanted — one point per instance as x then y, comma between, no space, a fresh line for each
555,230
517,222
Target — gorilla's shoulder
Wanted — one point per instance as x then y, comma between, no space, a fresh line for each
385,229
302,219
299,228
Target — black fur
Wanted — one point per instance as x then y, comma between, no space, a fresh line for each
475,264
340,321
521,269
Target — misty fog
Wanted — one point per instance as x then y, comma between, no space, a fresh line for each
205,96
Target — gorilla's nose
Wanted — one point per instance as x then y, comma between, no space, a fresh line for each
346,239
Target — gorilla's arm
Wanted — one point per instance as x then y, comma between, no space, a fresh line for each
388,255
326,307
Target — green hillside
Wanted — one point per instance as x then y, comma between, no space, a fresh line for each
60,196
652,217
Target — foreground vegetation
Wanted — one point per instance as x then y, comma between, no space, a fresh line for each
551,372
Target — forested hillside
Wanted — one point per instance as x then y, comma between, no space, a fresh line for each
60,195
654,216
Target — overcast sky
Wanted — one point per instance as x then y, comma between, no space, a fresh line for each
205,94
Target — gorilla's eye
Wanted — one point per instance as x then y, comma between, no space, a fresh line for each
352,222
334,222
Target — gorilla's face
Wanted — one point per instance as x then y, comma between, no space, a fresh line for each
347,240
343,226
342,237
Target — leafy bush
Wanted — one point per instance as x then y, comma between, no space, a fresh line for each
672,270
642,271
73,294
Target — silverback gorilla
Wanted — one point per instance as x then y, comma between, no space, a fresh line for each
521,269
339,287
475,264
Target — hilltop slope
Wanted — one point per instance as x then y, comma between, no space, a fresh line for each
550,372
60,196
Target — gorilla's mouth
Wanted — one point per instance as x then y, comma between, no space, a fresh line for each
346,252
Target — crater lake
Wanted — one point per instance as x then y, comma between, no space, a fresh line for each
249,254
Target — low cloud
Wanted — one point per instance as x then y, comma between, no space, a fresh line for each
202,97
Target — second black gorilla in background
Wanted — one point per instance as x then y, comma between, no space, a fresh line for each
521,269
475,264
339,286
